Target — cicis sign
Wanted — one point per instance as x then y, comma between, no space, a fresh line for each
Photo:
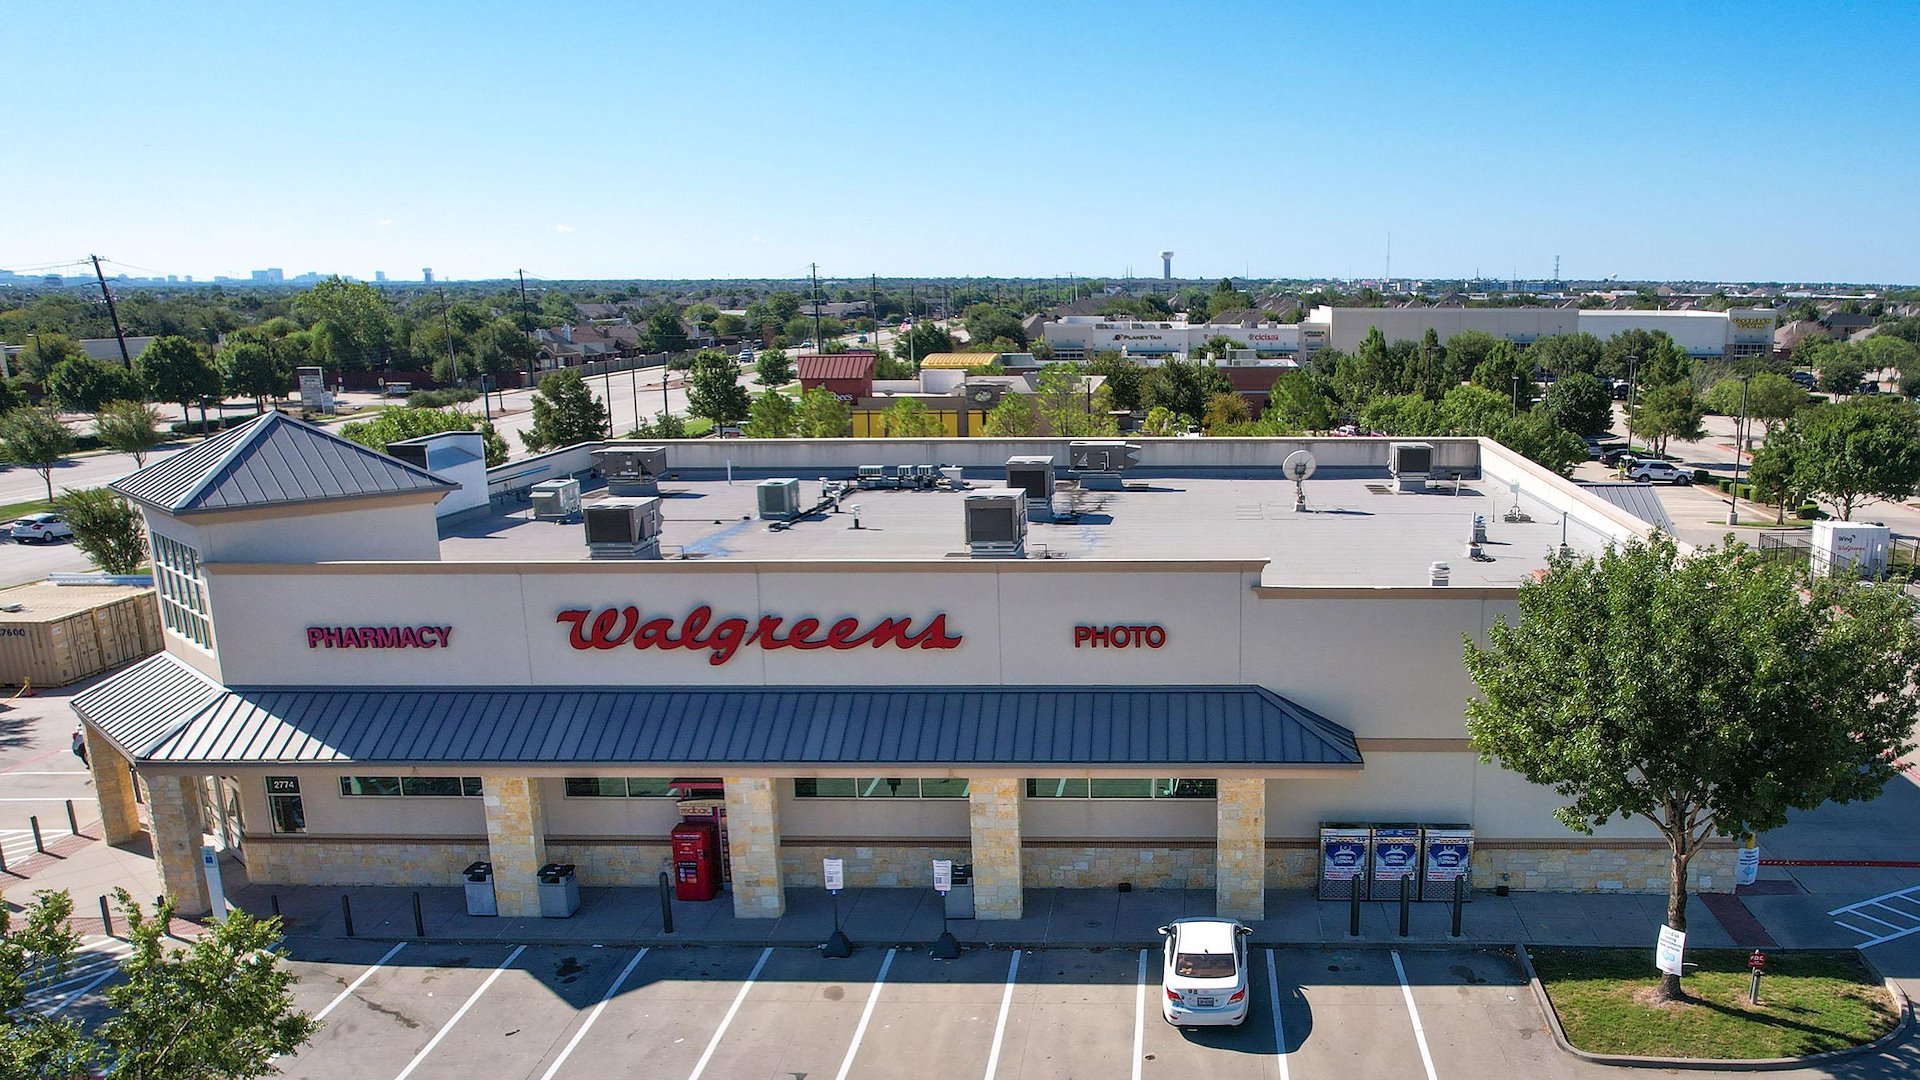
722,639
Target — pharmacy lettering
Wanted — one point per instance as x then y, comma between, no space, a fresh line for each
379,637
610,628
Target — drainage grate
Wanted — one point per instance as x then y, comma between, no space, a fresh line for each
1380,489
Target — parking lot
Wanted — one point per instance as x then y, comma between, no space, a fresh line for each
551,1012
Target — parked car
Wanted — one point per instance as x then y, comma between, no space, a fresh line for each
1804,379
1659,472
1619,458
41,529
1203,977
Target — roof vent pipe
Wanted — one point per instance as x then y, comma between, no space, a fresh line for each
1438,573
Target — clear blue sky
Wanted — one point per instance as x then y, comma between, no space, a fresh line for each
1715,141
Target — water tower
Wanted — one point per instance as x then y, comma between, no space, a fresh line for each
1166,266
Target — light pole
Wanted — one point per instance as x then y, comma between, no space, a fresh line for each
606,393
1739,443
1633,365
1516,394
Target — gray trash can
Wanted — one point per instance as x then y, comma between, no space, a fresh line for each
960,896
559,891
480,899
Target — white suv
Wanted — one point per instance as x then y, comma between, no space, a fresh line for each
1659,472
1203,977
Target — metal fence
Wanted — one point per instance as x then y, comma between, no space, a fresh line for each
1903,553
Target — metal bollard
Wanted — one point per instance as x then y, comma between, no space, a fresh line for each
275,899
73,823
3,861
1459,901
106,918
38,844
419,924
1353,909
346,913
666,903
1406,903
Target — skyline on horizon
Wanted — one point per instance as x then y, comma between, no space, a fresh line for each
1631,142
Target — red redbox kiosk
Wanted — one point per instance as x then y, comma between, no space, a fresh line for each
696,860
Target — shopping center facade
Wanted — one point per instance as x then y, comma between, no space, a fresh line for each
1185,669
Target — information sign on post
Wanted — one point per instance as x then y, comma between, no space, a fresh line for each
943,876
1746,869
1668,953
834,872
216,892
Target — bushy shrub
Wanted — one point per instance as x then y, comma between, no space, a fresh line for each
440,399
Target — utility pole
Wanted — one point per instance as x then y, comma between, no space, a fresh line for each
526,327
813,273
118,334
873,307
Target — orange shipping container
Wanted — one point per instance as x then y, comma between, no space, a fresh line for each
58,634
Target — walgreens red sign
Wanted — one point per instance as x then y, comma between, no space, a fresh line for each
611,628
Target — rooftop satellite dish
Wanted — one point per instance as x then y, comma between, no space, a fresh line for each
1298,466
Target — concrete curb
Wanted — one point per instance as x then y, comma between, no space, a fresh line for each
1627,1061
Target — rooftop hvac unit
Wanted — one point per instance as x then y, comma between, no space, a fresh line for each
779,500
412,452
1410,463
996,521
1102,456
871,476
631,469
1033,475
556,500
623,529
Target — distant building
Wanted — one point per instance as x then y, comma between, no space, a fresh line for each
379,277
271,276
848,375
426,274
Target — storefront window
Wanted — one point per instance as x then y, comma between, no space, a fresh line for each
183,596
880,787
651,787
887,788
288,815
823,788
621,787
425,786
1121,788
943,788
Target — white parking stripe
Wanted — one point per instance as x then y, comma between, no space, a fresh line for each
1419,1034
442,1033
82,992
714,1044
594,1015
1279,1029
1140,1016
1006,1002
355,985
866,1015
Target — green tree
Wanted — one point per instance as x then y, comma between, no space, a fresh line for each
1567,354
1401,414
1067,404
1300,401
729,325
1226,298
1771,398
350,317
1217,347
1473,410
106,528
985,322
664,333
1503,372
130,427
1847,452
773,416
664,426
921,341
1671,411
35,439
44,351
714,390
1649,357
773,368
1123,379
1708,694
1183,386
501,351
1578,403
1533,436
1465,352
908,419
1842,368
256,370
824,416
1013,418
217,1008
566,413
83,384
34,1046
1163,422
397,423
175,369
1225,413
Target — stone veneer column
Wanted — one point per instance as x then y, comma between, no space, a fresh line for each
1240,862
177,836
993,807
753,846
516,841
113,786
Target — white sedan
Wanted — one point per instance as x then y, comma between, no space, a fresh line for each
1204,974
41,529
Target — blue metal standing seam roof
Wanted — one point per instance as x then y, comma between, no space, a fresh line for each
147,702
1231,726
274,460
